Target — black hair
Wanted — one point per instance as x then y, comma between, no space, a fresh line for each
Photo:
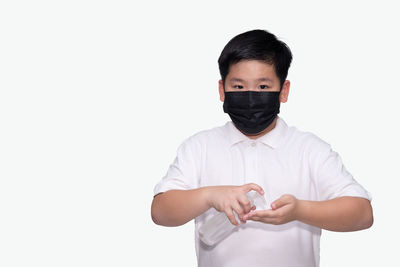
256,45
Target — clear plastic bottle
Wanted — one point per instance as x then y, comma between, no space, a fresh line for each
219,227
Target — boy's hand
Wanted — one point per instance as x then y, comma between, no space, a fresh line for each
284,210
232,198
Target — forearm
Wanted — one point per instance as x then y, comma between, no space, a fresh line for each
177,207
340,214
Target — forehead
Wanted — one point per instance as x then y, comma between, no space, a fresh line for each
251,70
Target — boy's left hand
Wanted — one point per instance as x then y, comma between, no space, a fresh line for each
283,210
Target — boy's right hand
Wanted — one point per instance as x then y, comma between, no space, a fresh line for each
232,198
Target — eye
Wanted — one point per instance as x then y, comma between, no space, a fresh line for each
238,86
263,86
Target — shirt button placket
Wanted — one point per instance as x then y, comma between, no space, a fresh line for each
251,163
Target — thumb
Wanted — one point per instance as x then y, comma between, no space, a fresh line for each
253,186
280,202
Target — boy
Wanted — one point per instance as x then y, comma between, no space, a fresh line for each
302,179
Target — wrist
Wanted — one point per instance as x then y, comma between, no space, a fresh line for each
205,193
301,209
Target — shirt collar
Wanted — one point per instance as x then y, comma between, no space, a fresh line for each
272,138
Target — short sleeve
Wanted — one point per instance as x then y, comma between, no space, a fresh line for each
331,176
183,172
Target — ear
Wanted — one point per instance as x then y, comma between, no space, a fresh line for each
283,96
221,91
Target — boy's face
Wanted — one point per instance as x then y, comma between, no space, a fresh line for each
253,75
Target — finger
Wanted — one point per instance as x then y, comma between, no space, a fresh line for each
249,215
258,218
253,186
262,214
238,209
231,217
245,203
264,220
280,202
253,208
252,214
254,218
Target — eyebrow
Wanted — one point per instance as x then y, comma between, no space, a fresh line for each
263,79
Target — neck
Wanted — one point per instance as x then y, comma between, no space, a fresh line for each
268,129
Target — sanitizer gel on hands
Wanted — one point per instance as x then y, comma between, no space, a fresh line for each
218,227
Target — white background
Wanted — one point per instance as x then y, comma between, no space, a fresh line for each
96,96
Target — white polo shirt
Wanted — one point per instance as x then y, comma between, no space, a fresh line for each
283,161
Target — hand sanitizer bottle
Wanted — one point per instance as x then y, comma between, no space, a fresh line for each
219,227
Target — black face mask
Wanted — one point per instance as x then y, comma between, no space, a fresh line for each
251,111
